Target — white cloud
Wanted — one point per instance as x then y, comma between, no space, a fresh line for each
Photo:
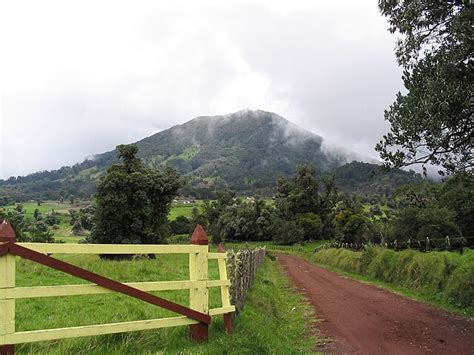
79,78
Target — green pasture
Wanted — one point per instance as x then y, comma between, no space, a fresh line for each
274,321
64,232
185,210
44,208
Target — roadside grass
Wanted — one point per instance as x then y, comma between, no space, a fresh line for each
433,300
306,248
443,279
274,319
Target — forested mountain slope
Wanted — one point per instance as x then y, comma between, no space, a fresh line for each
245,151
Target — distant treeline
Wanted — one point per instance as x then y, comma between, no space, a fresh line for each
80,180
306,208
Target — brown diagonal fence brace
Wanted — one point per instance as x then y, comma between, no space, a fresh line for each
105,282
4,248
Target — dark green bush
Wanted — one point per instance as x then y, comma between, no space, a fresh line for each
182,225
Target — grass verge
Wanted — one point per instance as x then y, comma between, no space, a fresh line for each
443,279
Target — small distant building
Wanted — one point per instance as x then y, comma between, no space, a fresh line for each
184,200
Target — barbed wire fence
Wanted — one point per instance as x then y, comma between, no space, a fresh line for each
424,245
275,247
242,267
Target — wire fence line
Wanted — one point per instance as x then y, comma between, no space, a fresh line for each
286,248
242,265
424,245
293,248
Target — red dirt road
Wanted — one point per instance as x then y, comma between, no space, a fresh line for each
364,319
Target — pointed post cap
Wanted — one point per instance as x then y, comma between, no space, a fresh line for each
220,248
199,236
7,234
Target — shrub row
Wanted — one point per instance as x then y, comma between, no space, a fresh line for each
242,266
443,275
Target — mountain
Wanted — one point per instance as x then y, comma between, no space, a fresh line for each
245,151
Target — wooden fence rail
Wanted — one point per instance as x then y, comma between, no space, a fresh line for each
197,315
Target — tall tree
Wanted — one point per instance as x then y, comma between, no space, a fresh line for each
133,201
432,122
308,202
352,223
231,219
40,233
457,194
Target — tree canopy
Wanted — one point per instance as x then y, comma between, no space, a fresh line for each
308,201
231,219
133,201
445,209
432,123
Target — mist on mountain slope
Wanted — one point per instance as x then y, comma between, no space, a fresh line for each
245,151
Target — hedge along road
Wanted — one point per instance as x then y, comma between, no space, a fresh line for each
364,319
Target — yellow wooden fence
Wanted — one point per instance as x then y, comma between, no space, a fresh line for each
198,285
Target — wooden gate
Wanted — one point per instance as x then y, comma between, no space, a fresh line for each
197,315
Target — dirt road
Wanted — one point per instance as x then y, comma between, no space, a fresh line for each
365,319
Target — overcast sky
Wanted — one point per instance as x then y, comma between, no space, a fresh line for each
80,77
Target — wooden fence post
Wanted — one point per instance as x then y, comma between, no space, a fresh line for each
228,324
7,281
199,297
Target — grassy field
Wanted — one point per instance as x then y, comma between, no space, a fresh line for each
64,229
47,206
183,210
274,320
